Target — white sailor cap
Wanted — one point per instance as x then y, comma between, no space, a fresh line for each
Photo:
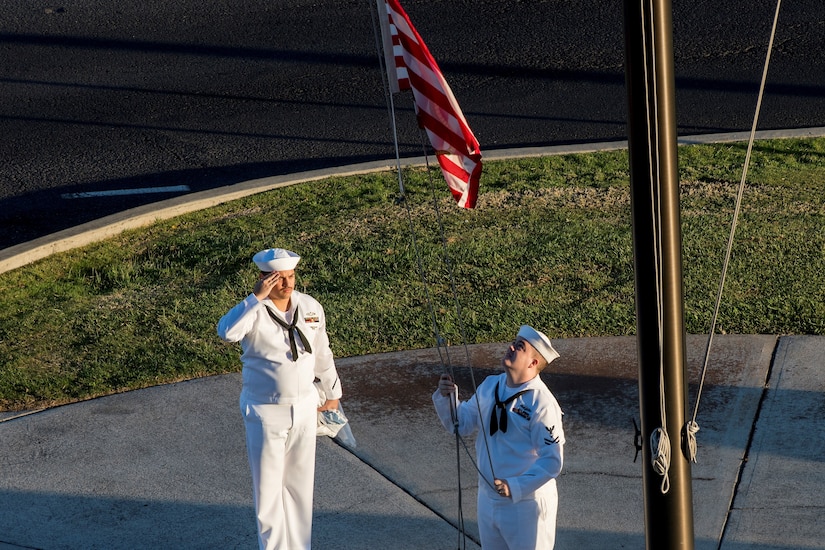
275,259
539,341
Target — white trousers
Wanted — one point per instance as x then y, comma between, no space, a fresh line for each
527,524
280,443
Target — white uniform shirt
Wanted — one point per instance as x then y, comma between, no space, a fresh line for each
530,454
269,373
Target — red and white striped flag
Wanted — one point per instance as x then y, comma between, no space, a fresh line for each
411,66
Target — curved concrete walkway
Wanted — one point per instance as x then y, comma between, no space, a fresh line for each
165,467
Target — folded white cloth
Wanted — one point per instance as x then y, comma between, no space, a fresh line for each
330,422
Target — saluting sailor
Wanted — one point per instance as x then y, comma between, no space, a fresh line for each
517,497
285,348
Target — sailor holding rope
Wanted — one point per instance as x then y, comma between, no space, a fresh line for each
520,446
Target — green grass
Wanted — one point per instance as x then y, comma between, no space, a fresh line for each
549,244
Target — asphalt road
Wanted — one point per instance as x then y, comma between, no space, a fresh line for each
100,96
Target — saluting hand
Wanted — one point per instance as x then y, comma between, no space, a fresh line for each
265,284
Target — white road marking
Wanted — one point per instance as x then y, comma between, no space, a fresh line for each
119,192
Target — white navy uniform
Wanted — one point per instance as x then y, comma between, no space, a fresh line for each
279,404
526,450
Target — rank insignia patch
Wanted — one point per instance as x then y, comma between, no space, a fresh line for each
550,439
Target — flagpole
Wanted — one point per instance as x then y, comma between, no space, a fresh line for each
401,190
657,247
390,79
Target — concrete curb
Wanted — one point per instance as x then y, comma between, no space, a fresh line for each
109,226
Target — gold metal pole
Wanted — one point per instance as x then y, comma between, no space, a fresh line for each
657,248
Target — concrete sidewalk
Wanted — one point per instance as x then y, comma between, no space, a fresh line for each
165,467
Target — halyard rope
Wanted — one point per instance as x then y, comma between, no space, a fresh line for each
459,317
692,427
446,365
659,439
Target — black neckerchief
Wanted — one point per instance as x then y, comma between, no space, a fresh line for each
291,330
496,424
